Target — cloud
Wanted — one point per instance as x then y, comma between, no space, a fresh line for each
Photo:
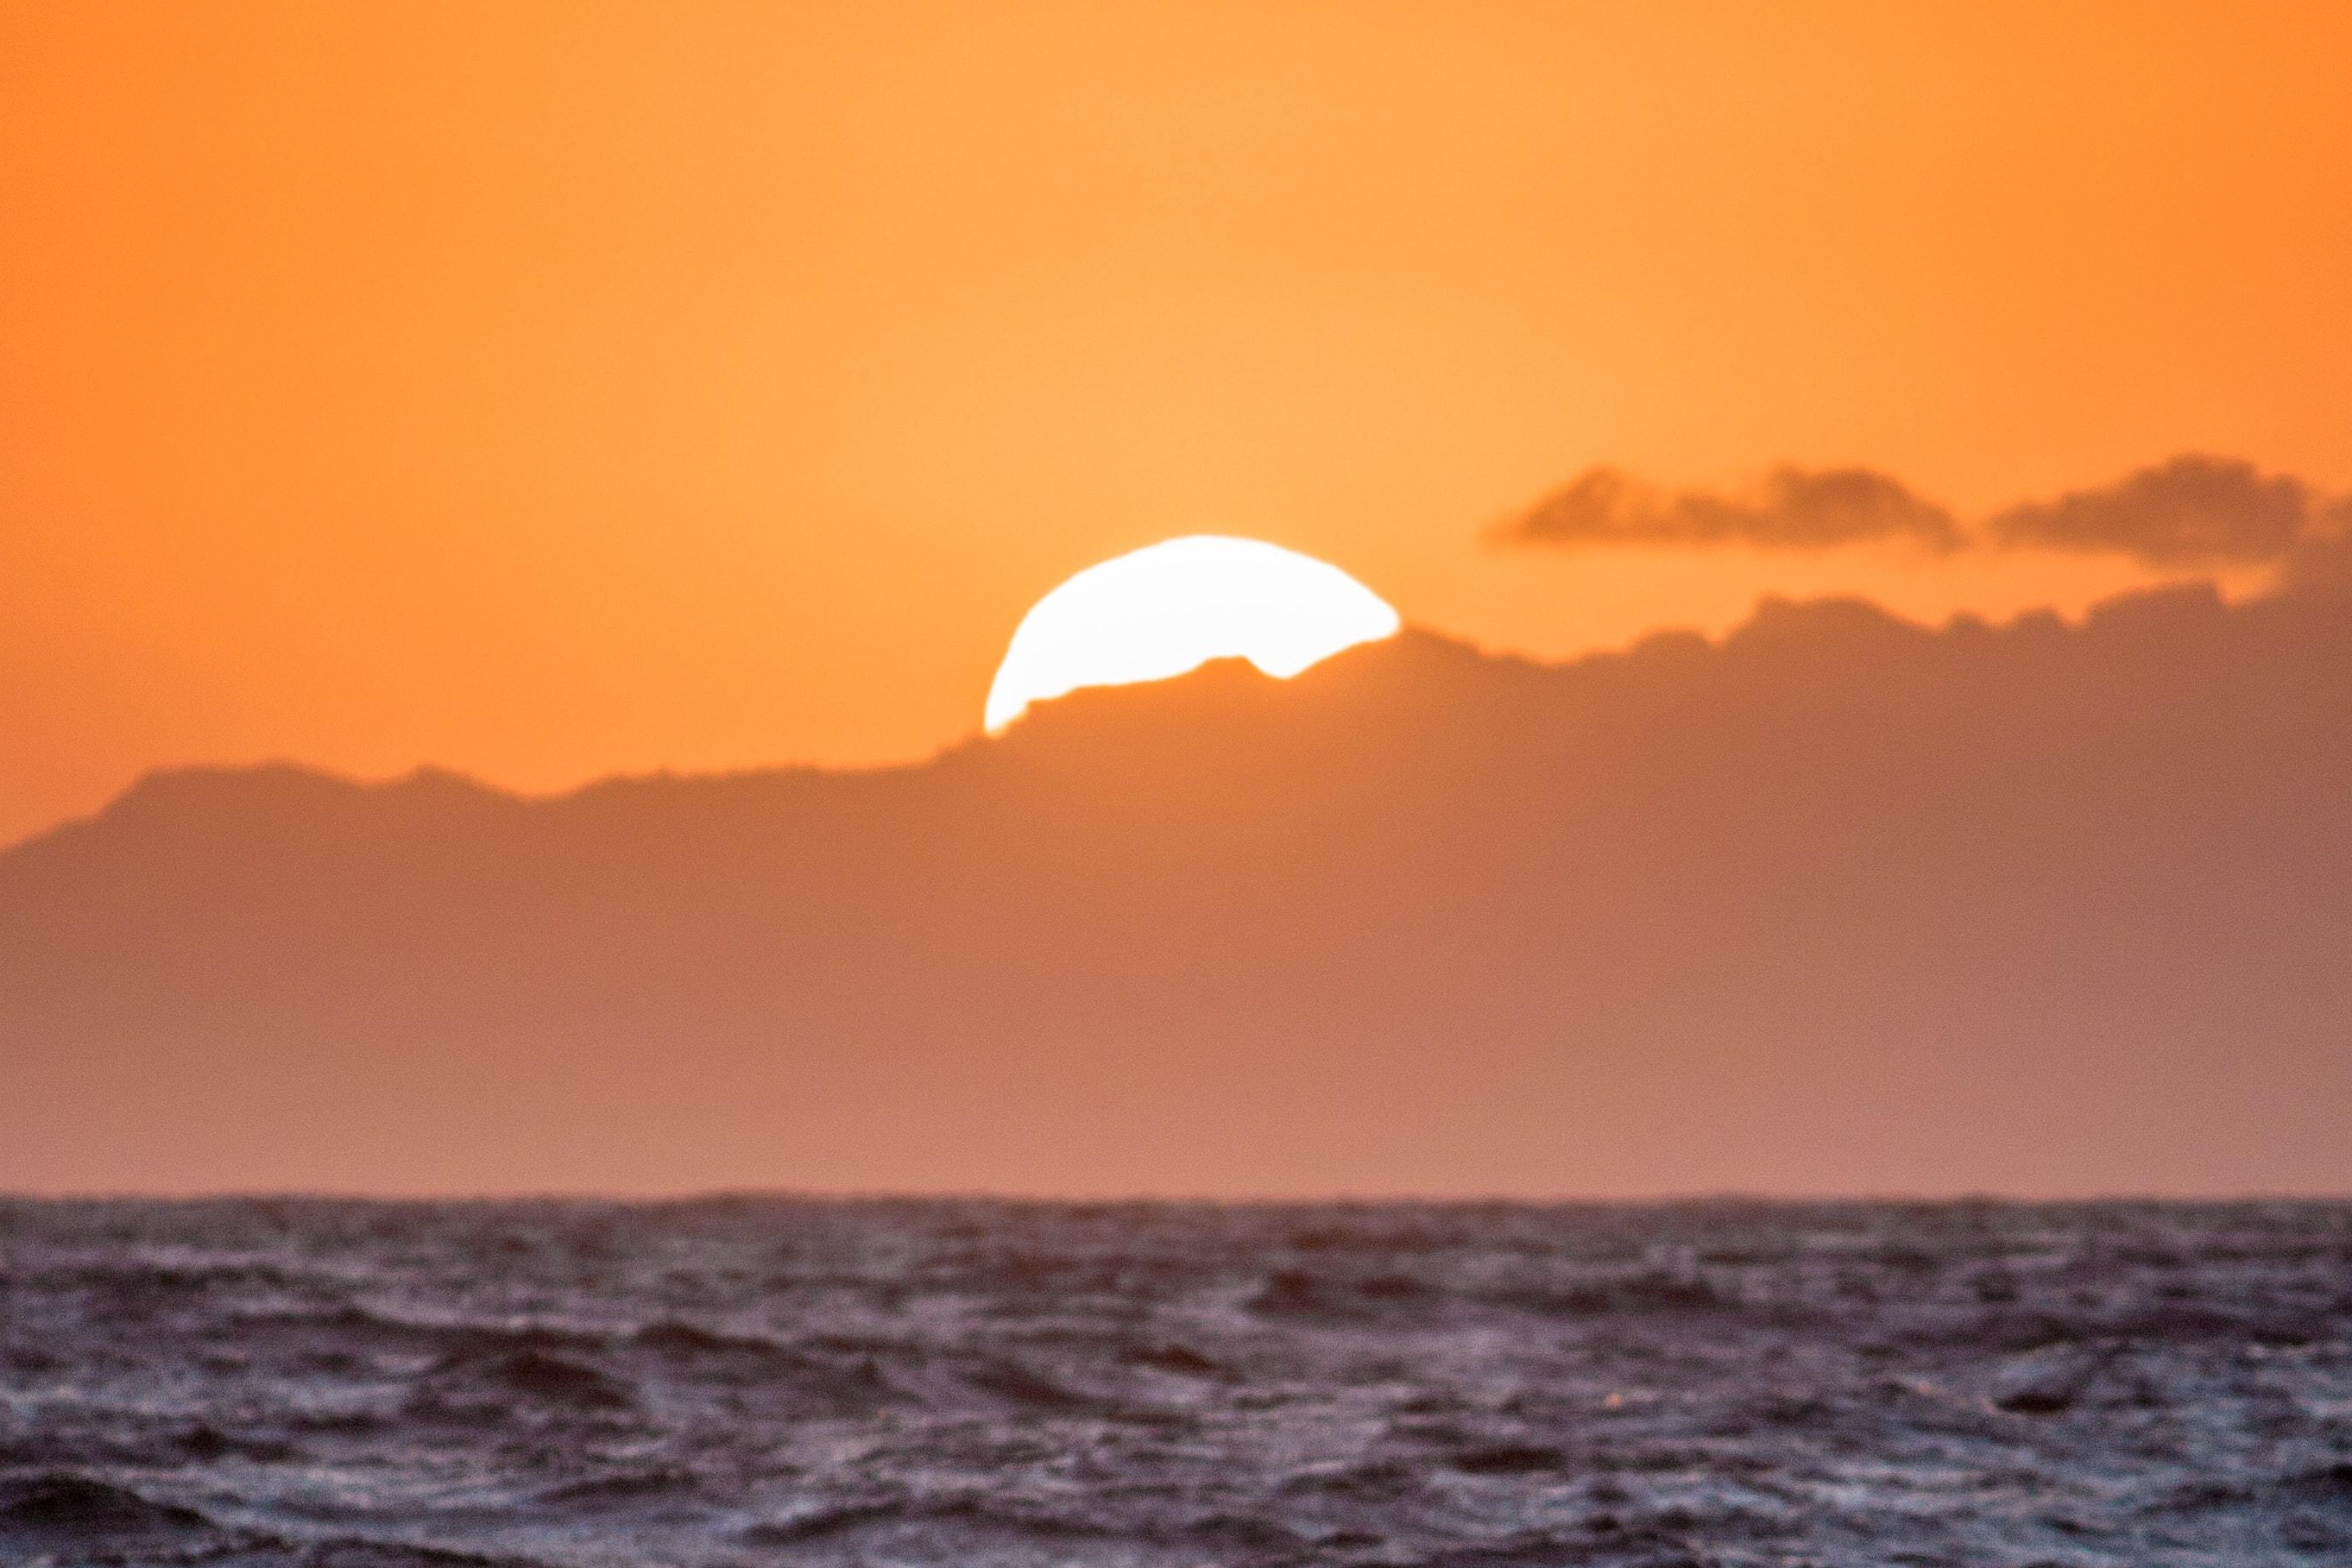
2194,510
1792,509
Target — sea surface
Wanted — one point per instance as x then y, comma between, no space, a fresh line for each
754,1381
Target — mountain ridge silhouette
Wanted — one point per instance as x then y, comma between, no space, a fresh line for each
1834,904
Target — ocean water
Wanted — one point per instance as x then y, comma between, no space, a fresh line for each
341,1385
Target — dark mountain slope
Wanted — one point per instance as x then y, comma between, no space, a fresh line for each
1838,904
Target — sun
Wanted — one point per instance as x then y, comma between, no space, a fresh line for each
1171,607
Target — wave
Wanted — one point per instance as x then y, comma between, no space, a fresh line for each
66,1505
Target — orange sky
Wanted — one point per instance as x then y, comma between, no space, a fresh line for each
554,391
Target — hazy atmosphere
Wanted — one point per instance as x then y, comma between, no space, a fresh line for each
562,391
1165,785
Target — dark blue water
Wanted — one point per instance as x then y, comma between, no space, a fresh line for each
746,1382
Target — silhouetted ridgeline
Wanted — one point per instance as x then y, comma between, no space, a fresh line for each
1837,904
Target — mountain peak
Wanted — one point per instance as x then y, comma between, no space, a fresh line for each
1835,903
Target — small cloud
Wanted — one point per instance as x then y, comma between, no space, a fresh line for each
2194,510
1792,509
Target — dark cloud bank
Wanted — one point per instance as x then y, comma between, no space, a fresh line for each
2192,511
1837,903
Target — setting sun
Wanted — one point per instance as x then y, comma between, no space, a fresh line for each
1171,783
1167,608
